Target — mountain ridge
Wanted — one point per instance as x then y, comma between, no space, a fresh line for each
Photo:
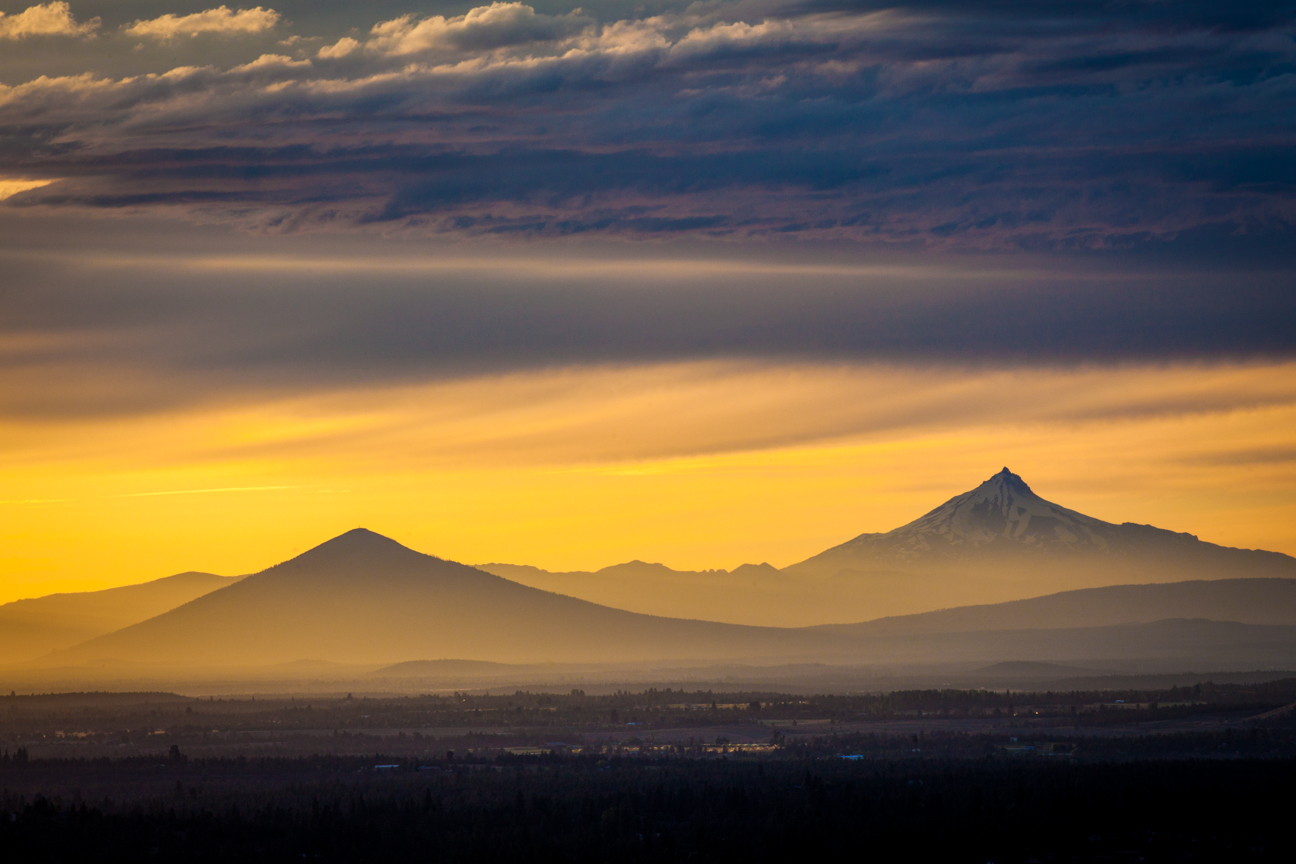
34,626
997,542
1266,602
987,563
363,598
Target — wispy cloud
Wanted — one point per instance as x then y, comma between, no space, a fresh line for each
11,186
207,491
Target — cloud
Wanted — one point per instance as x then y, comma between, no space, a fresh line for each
220,21
923,128
161,317
271,62
1246,456
338,49
10,186
45,19
483,28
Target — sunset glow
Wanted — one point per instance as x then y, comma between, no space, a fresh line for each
696,465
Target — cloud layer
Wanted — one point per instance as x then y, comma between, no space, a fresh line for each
975,126
112,334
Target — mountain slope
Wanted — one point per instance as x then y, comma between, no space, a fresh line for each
1244,601
30,628
362,598
1174,644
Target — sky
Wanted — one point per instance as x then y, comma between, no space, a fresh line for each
698,283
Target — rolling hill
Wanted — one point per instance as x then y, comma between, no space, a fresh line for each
31,628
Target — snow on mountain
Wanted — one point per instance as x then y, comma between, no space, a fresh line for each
1001,511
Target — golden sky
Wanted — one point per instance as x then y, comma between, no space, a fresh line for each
694,464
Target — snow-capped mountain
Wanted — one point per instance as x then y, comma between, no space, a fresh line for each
1001,512
1002,523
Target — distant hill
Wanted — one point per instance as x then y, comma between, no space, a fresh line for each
1245,601
1031,669
438,668
756,594
363,598
31,628
1175,644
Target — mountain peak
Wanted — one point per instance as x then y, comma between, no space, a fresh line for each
359,538
1011,480
358,544
361,534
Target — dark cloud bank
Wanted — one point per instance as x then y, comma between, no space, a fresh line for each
132,338
936,125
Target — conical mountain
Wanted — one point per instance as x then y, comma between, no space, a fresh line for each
1001,541
1000,515
364,598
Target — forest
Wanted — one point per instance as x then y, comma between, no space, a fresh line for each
563,808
